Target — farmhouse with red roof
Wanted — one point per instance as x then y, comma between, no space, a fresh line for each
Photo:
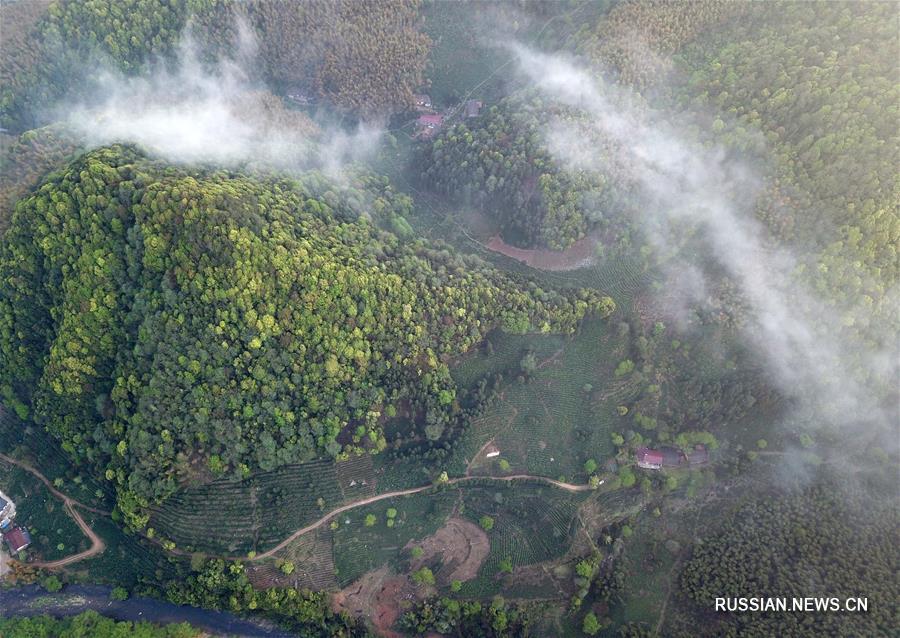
649,459
670,457
17,539
428,125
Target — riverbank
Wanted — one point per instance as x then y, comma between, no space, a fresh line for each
32,600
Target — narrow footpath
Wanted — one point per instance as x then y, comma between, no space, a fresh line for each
97,544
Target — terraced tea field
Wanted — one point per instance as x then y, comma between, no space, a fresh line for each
228,516
127,557
313,562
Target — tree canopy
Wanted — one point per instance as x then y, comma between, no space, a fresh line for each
500,162
167,323
780,544
90,623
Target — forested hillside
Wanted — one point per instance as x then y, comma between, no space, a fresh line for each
820,81
363,57
74,41
814,543
166,322
19,20
25,160
500,163
635,40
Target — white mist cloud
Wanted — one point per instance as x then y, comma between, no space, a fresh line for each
189,113
686,187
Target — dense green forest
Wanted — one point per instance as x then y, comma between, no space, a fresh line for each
500,163
220,585
244,361
820,82
365,58
817,542
167,324
468,618
93,625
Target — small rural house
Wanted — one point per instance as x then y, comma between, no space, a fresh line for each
670,457
422,102
17,539
473,108
429,125
649,459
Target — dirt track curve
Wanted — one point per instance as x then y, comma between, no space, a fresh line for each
97,544
570,487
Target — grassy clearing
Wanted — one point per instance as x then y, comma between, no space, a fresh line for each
553,423
498,417
647,581
531,524
359,548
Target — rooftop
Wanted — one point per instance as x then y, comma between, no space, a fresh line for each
647,454
17,539
431,120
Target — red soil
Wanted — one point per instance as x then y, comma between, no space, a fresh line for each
578,255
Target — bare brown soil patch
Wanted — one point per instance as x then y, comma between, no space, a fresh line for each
462,545
578,255
378,597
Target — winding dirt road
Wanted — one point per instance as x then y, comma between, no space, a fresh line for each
97,544
570,487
